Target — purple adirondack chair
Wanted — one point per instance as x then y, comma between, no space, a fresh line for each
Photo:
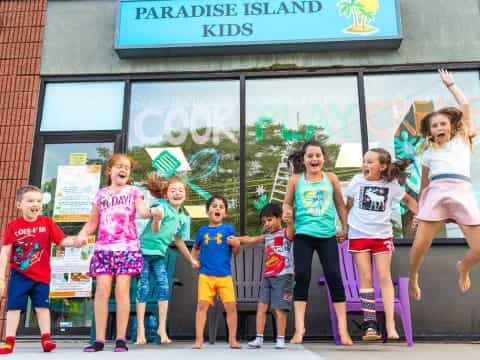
350,282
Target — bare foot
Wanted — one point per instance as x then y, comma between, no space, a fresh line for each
415,291
345,338
234,344
141,340
164,339
297,337
392,333
463,277
198,345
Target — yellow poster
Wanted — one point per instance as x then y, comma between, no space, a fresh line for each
77,159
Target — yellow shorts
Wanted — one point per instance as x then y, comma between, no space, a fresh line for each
209,286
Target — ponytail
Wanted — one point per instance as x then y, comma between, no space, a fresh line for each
398,170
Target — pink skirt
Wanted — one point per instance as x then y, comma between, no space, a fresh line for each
449,200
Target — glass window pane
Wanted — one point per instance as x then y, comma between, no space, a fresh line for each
395,105
83,106
199,122
281,115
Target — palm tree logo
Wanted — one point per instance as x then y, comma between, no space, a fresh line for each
362,11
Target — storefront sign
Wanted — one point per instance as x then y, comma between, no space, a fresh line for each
76,187
193,27
70,268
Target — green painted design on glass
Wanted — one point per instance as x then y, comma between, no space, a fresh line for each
260,126
290,135
286,133
166,164
261,202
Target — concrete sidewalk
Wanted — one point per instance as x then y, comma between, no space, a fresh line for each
309,351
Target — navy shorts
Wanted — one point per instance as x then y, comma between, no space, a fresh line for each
21,287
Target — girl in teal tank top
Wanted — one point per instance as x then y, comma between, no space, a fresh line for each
316,197
314,207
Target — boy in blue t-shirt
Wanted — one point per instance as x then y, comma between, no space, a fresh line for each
213,247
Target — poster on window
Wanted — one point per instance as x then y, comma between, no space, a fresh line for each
70,268
76,187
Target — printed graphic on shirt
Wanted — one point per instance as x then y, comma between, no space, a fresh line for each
373,198
316,200
27,251
278,254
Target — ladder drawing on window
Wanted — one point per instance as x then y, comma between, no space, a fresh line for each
279,187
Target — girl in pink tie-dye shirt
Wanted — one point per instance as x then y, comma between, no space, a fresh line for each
117,249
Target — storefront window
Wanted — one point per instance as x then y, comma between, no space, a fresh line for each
281,115
67,310
190,129
395,105
83,106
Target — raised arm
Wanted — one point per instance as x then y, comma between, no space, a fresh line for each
460,98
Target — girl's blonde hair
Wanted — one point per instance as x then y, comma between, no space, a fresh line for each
457,125
158,187
112,160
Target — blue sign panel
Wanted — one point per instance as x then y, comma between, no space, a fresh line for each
192,27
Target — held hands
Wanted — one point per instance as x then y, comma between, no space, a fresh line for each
287,217
414,224
233,241
80,240
446,77
157,214
195,263
341,235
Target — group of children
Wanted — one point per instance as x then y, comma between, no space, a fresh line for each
313,202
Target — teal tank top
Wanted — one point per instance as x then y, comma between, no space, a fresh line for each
314,207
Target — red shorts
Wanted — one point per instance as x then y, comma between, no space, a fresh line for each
375,246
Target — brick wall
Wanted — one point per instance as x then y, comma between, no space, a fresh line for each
21,36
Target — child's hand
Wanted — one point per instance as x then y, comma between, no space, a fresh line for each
156,214
233,241
414,224
446,77
287,217
341,236
79,241
195,264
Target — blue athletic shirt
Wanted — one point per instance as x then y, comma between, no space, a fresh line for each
215,253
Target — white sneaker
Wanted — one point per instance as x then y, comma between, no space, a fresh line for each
280,344
256,344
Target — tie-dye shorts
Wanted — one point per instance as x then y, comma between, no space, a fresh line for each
106,262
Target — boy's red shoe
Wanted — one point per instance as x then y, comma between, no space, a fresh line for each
9,345
47,343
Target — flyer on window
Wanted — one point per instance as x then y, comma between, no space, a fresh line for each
76,187
70,268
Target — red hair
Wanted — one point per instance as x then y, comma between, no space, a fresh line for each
112,160
158,187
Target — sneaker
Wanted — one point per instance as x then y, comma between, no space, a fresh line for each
95,347
280,344
120,345
370,331
256,344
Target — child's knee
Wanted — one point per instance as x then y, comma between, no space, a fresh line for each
203,306
230,307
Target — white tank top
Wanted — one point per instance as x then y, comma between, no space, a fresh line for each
451,158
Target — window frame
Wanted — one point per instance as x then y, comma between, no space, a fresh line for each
120,137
